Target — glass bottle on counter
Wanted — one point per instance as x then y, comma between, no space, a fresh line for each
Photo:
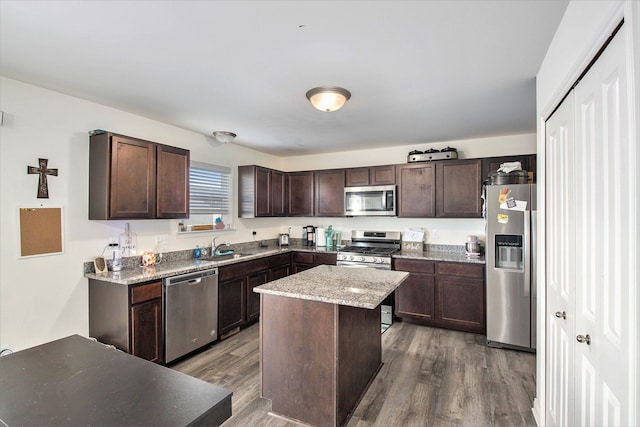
128,242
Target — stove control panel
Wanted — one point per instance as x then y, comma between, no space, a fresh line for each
365,259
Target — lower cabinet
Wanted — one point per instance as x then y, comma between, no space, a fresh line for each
306,260
128,317
444,294
238,305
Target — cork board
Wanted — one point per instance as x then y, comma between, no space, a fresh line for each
40,231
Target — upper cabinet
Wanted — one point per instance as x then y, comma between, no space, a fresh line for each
459,189
329,192
131,178
374,175
299,190
416,195
447,189
261,192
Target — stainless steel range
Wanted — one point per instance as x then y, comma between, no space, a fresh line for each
370,249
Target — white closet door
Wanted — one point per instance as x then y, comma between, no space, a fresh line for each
560,262
604,218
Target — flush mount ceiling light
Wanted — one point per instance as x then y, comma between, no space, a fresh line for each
224,136
328,98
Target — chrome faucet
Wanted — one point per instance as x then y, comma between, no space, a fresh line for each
215,250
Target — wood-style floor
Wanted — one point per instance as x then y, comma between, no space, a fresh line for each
430,377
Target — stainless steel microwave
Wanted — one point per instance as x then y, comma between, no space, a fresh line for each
378,200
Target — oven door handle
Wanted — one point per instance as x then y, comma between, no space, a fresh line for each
352,264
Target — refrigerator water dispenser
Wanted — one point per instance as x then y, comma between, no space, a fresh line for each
509,252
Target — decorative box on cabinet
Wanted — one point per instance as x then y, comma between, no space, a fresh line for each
131,178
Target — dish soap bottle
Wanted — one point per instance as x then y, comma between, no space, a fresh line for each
329,235
128,242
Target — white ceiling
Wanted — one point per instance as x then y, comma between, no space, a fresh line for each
418,71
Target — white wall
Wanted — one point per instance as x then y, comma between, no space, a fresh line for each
45,298
584,28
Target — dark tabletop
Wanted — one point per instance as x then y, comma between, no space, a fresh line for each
75,381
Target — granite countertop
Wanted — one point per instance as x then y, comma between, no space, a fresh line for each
356,287
183,264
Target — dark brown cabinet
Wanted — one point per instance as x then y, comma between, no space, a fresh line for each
128,317
461,297
374,175
329,192
447,189
147,339
261,192
416,196
131,178
238,304
415,297
299,191
491,164
459,188
305,260
443,294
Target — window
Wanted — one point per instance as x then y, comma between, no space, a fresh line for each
210,191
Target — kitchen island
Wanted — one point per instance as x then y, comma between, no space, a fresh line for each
320,340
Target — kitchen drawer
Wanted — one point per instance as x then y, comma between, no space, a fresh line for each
414,266
303,257
280,259
243,268
461,269
146,292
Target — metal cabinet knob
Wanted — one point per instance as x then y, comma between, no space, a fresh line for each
584,339
561,314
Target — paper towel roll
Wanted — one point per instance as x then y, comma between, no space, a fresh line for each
321,238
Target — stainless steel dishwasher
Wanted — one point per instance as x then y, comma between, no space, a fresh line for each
190,312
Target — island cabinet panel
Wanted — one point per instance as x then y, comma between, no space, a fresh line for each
311,373
415,298
261,192
416,190
131,178
459,188
128,317
299,191
329,192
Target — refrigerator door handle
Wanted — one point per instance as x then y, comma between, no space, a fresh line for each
527,253
534,255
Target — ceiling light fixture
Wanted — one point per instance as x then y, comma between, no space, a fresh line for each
224,136
328,98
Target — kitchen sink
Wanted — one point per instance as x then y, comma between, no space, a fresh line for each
235,255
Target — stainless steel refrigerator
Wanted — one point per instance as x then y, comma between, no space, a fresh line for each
510,213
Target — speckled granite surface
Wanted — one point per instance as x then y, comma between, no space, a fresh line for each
356,287
182,262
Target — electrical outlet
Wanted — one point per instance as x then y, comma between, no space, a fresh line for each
435,233
162,239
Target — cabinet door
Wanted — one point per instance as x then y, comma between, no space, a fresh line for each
278,194
300,193
133,178
382,175
253,298
325,259
172,182
416,190
329,192
461,304
356,177
262,191
231,304
146,330
415,298
459,187
279,272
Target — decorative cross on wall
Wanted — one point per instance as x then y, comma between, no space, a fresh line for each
43,189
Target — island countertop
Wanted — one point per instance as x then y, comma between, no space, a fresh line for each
355,287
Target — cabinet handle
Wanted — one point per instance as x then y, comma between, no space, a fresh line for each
561,314
584,339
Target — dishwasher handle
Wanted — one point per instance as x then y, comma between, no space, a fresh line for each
189,279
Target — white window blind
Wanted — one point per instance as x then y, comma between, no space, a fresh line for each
210,189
